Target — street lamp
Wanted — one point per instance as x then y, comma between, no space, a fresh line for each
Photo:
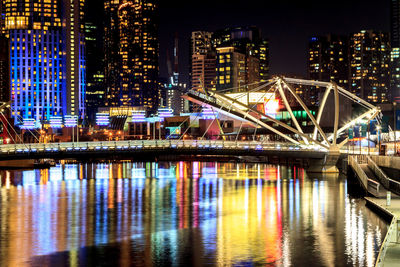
378,128
394,128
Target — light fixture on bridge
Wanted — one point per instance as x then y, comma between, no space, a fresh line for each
102,119
30,124
56,122
70,121
208,114
165,113
139,116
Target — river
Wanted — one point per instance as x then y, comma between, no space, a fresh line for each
183,214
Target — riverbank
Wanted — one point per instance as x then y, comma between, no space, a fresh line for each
389,254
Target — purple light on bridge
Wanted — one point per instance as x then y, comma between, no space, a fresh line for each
102,119
138,116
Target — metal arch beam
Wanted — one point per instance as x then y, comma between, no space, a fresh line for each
266,84
321,109
307,82
354,97
337,110
307,111
343,143
347,139
227,100
289,109
372,113
344,92
258,122
326,84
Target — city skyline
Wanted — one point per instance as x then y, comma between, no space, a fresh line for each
221,133
129,74
287,25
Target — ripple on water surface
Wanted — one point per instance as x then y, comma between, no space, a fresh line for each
182,214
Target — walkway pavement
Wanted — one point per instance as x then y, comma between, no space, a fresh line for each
392,256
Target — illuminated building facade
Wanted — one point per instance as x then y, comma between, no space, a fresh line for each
173,89
173,97
202,61
111,55
246,40
395,74
4,69
74,49
236,72
328,60
369,66
37,75
47,63
132,71
94,32
203,71
2,17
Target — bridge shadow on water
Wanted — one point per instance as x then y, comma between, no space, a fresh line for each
102,255
133,252
354,187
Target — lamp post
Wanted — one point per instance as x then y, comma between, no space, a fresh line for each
394,128
359,134
368,134
378,128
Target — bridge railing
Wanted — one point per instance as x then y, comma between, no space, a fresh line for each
152,144
359,172
388,183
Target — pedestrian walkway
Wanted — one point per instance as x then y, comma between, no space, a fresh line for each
389,254
374,186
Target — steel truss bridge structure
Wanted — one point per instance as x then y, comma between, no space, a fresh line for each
298,141
283,88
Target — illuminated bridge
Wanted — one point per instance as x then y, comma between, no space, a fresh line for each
323,147
154,148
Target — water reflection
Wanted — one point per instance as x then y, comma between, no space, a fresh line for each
181,214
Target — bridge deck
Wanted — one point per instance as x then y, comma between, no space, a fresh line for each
157,147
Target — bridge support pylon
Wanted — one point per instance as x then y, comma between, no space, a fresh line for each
326,165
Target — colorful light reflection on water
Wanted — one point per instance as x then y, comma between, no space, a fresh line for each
182,214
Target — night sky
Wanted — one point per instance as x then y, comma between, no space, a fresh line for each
286,23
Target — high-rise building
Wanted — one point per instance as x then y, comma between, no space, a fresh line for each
47,65
94,32
111,53
236,72
132,50
173,89
2,17
246,40
395,54
369,66
4,69
395,74
75,56
328,60
203,71
200,43
201,56
395,23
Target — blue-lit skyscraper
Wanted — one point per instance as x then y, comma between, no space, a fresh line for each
47,63
37,81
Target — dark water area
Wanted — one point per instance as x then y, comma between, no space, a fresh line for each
183,214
